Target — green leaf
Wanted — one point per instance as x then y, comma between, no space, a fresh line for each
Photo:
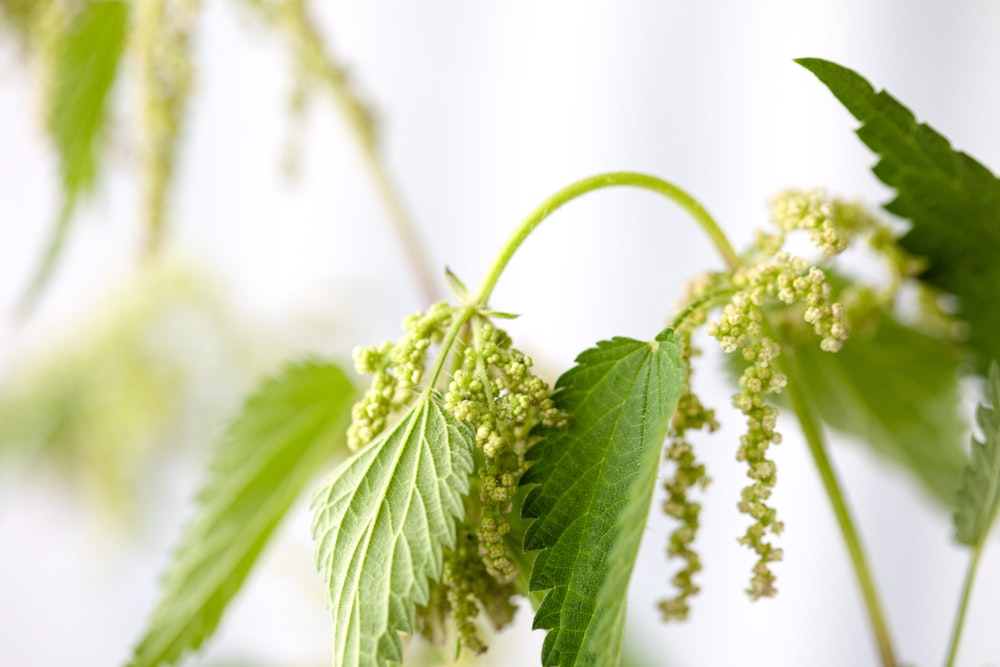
285,433
979,493
952,201
380,524
86,61
595,480
896,390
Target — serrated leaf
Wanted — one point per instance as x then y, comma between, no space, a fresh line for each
979,493
595,480
896,390
86,62
284,434
380,524
952,201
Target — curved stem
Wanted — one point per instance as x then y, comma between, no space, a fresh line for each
963,605
704,299
569,193
814,438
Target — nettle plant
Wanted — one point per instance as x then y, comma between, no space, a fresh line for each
473,486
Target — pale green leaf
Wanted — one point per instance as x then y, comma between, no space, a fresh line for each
283,436
85,65
380,523
595,480
979,494
87,61
895,390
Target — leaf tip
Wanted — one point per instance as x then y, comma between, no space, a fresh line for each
666,334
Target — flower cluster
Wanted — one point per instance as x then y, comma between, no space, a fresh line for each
768,276
691,415
468,587
757,380
397,369
498,394
163,36
787,280
493,388
815,214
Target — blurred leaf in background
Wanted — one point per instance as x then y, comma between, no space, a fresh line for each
896,390
81,47
125,382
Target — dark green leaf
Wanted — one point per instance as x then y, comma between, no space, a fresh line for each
86,61
595,481
380,524
952,201
285,433
896,390
979,494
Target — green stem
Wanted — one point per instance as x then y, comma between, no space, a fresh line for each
586,185
814,437
462,317
697,304
963,605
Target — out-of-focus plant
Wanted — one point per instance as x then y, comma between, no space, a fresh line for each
82,48
140,374
475,485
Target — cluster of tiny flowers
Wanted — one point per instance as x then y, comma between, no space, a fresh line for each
813,213
691,415
468,587
314,63
163,35
757,380
790,280
497,393
769,275
397,370
461,569
832,224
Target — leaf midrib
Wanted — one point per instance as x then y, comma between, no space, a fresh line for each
602,473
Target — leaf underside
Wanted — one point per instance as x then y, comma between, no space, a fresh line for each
86,62
979,493
283,436
952,201
595,480
380,523
896,390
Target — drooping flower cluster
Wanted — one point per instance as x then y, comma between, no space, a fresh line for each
498,394
815,214
767,277
470,588
688,473
163,37
787,280
493,388
397,370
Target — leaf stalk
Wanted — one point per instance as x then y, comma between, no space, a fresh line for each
963,605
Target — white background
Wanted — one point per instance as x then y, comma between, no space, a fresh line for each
487,108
